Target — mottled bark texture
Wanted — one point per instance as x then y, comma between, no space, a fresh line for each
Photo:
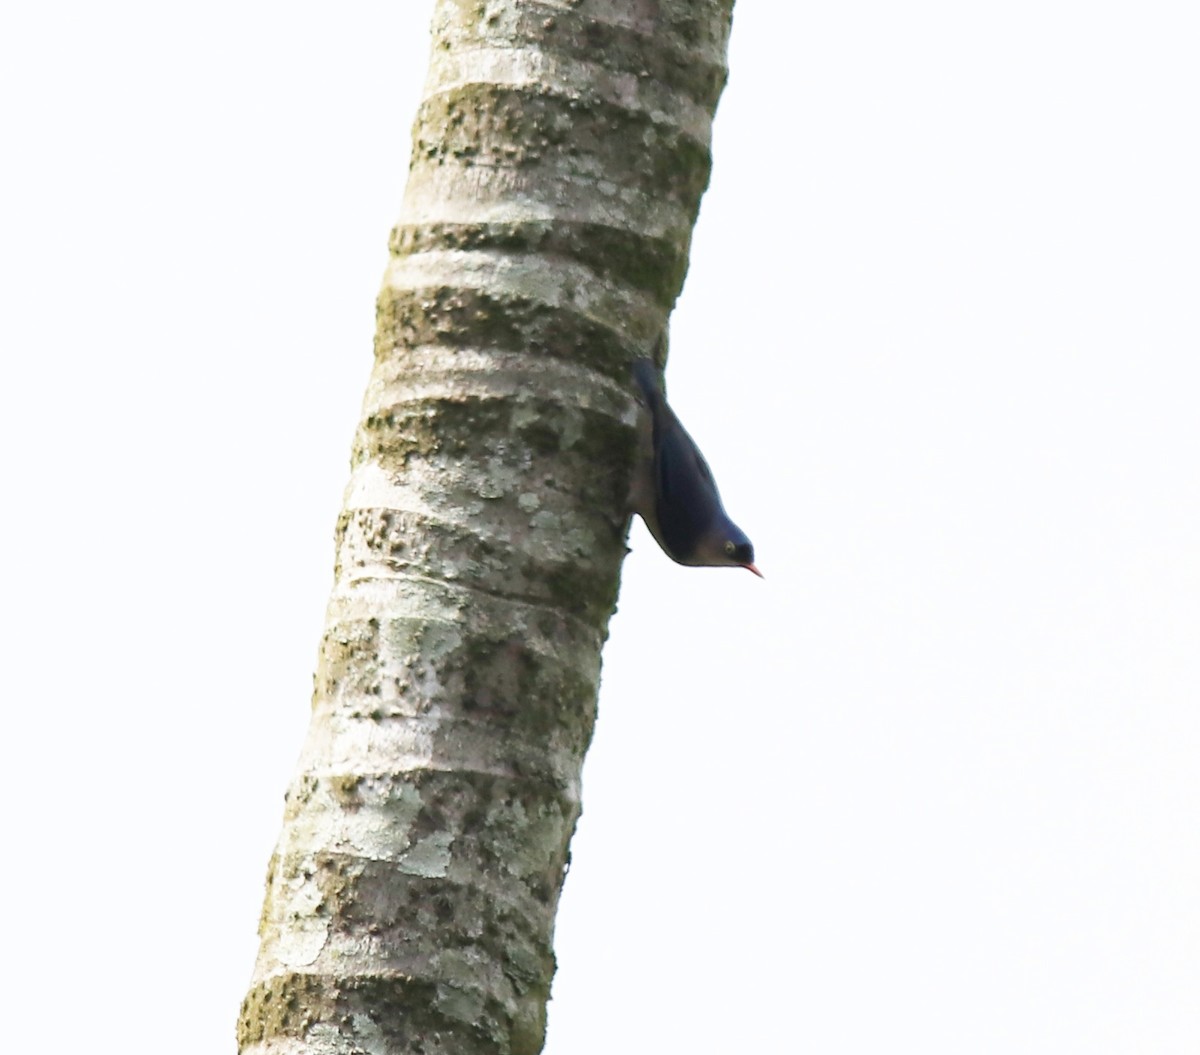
559,157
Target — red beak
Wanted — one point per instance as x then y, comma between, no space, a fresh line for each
751,567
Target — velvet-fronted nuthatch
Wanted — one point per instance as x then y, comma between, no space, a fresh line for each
673,488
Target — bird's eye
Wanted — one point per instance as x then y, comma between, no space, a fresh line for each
729,548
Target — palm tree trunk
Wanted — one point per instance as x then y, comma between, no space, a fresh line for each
559,157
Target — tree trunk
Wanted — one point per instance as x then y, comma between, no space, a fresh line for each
559,157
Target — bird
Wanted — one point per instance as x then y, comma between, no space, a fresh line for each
673,489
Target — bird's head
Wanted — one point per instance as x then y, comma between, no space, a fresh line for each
728,549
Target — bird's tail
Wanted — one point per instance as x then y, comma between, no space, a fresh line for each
645,373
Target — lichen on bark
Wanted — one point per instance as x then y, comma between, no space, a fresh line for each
559,158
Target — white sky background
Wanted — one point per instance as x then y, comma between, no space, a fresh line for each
932,786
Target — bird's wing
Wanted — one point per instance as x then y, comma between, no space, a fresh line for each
688,501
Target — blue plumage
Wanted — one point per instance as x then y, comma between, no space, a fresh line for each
674,491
